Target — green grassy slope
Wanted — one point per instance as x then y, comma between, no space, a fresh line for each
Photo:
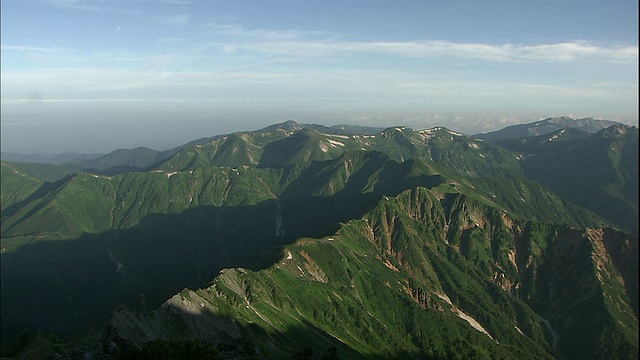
378,245
16,185
400,281
599,173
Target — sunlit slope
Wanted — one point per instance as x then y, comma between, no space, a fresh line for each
15,184
426,274
90,203
151,234
281,148
421,219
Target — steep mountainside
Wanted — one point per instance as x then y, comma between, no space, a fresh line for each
558,140
15,184
424,275
44,172
599,173
399,244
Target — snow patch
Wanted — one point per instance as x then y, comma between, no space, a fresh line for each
556,135
429,131
335,143
170,174
461,314
476,325
444,297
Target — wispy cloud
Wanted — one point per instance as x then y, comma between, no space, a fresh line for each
257,34
87,5
29,48
332,83
171,40
560,52
176,2
174,20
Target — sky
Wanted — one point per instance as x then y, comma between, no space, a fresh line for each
92,76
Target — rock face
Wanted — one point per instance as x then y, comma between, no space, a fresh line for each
400,261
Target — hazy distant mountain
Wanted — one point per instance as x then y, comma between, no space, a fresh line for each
393,245
291,125
48,159
135,159
554,141
599,172
546,126
357,130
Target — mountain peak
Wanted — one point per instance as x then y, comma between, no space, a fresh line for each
617,131
288,125
546,126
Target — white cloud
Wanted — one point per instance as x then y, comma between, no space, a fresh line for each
321,84
28,48
561,52
257,34
171,40
88,5
174,20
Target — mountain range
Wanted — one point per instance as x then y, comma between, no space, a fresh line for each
303,240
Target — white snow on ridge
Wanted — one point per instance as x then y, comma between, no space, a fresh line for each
340,136
429,131
556,135
335,143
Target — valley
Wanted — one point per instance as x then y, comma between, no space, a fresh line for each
388,243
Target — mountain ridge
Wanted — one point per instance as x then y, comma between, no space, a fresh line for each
446,230
546,126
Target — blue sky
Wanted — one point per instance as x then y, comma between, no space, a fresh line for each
95,75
